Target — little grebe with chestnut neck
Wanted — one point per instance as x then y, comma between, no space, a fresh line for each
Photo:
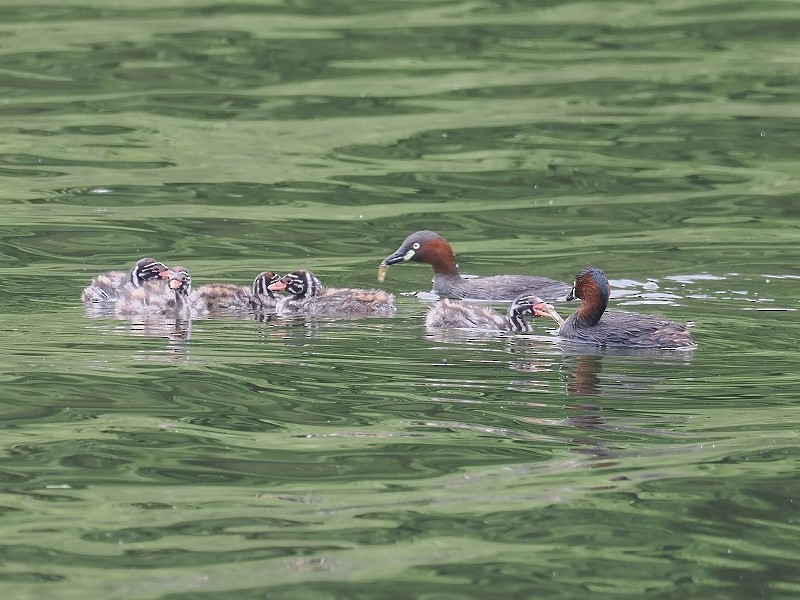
592,324
431,248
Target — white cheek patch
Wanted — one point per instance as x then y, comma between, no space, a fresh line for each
408,255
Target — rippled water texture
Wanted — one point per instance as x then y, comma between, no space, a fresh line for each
296,458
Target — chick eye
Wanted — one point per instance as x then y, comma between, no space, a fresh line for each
415,245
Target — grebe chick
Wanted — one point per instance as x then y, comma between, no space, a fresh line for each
183,303
308,295
592,324
430,247
263,297
146,274
225,296
232,297
453,314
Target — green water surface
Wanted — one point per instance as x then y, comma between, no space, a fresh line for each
370,459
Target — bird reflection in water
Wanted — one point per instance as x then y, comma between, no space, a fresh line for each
582,374
177,332
581,370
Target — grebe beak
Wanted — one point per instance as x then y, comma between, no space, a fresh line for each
163,274
175,284
278,286
400,255
543,309
571,295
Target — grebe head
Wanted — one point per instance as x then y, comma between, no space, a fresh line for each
262,282
591,285
533,306
300,284
426,247
180,281
147,269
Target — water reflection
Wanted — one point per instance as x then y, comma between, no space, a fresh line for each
244,332
589,371
177,332
605,436
168,327
582,374
580,366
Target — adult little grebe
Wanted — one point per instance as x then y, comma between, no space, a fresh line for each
183,303
453,314
592,324
310,296
430,247
108,287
